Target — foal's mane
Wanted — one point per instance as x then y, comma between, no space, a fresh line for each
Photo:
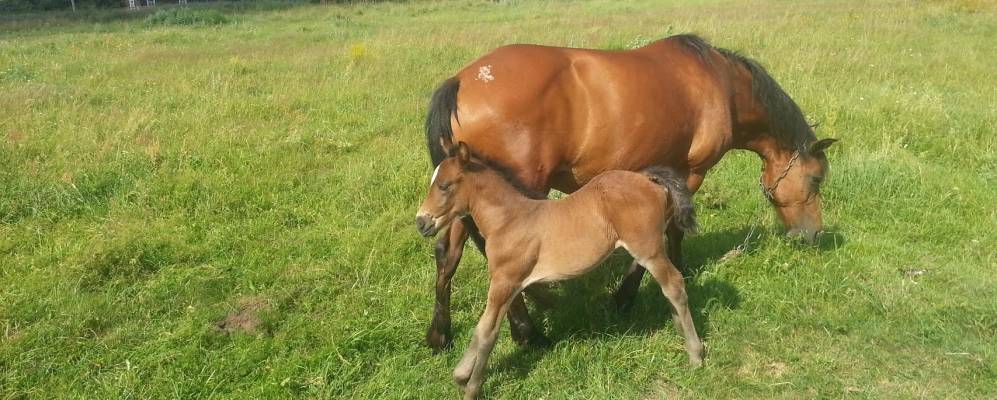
786,121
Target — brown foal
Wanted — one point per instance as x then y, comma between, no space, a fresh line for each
531,241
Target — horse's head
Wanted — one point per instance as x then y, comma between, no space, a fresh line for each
792,182
447,198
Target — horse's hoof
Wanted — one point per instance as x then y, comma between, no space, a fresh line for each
534,340
471,392
539,340
696,358
624,303
439,342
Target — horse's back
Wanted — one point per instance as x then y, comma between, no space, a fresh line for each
569,114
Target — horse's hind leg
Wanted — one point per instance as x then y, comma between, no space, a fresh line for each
673,287
448,251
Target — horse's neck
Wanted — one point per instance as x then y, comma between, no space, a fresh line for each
768,148
494,202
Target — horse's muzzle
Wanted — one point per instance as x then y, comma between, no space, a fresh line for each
808,236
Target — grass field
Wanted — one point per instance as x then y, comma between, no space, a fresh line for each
226,211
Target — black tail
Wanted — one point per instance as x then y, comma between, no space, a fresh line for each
441,107
683,211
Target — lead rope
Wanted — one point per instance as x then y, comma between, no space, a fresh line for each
769,194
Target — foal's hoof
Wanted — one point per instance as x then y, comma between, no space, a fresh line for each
439,341
471,393
461,377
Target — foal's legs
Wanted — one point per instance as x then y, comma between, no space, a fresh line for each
520,324
673,287
469,373
448,251
626,294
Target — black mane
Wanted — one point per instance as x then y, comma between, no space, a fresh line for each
786,121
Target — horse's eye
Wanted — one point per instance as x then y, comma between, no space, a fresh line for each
444,186
817,180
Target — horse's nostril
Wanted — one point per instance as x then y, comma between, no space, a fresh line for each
805,235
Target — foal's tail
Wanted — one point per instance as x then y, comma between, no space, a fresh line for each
438,128
683,212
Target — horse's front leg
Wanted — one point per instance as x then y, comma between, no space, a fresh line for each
521,326
626,294
448,251
675,236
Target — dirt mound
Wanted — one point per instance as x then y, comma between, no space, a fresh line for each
245,318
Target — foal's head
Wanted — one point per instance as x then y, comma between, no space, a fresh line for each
793,185
448,197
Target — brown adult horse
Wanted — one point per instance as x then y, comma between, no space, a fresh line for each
557,117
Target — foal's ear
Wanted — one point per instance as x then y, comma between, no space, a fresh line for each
447,145
463,154
821,145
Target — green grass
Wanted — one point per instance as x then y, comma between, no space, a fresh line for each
155,179
187,16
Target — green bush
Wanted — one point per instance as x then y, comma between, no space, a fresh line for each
187,16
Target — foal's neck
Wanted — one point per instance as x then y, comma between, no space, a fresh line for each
493,202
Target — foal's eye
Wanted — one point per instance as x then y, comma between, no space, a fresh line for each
816,180
444,186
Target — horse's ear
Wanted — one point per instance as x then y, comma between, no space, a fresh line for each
446,144
463,153
821,145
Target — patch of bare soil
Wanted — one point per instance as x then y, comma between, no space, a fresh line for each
245,318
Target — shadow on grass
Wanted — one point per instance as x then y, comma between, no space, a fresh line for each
830,239
584,308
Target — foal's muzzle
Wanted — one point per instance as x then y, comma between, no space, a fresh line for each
425,224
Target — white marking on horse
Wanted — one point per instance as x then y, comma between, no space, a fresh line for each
619,243
435,172
485,74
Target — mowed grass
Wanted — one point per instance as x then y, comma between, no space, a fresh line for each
155,180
